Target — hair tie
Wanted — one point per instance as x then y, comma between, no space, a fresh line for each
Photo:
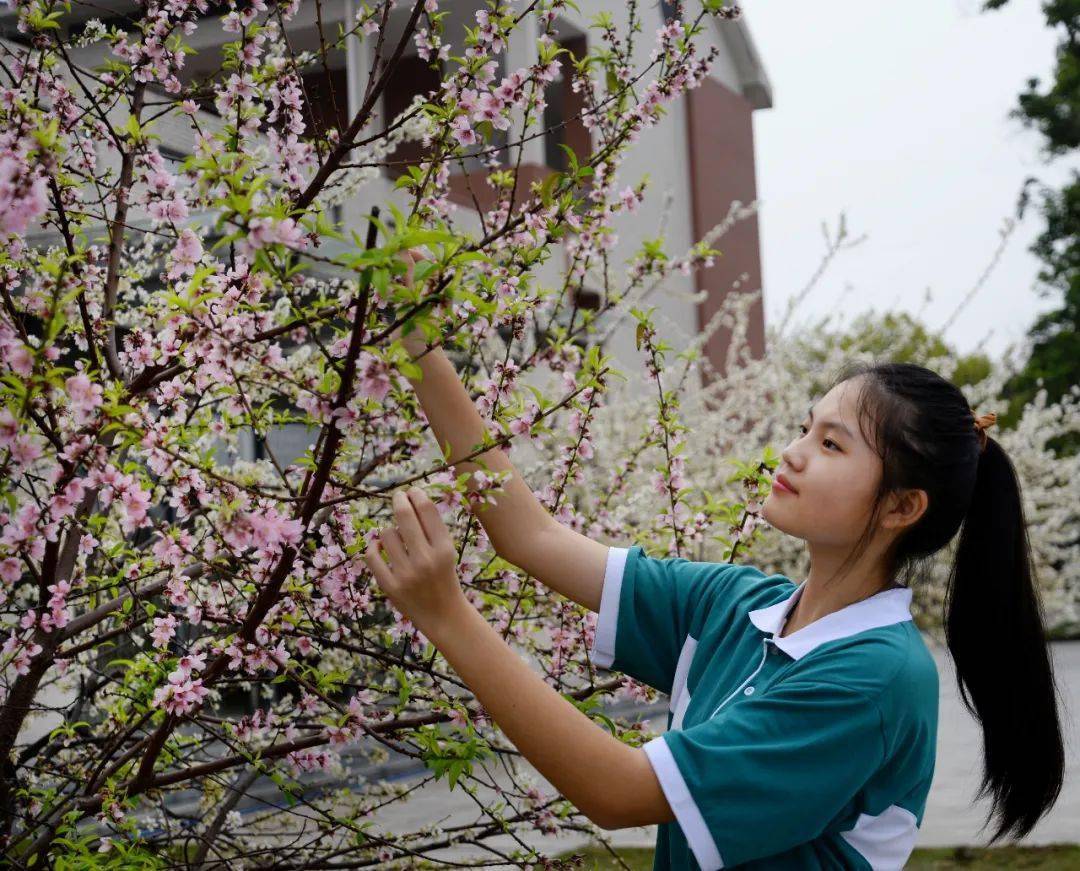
982,422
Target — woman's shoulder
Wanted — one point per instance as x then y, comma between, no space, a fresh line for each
731,581
890,664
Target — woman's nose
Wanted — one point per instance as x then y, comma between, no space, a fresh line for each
789,455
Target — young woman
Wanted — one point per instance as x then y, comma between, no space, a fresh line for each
803,717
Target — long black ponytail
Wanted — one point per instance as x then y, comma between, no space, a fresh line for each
926,435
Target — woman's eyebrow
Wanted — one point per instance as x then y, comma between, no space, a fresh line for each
831,424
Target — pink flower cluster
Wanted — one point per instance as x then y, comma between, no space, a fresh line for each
163,201
156,55
525,422
309,760
26,532
21,651
84,396
487,103
287,100
500,384
268,231
340,582
255,726
265,530
163,631
373,376
22,196
114,485
186,255
182,694
253,658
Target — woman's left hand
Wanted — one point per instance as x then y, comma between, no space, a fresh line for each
421,579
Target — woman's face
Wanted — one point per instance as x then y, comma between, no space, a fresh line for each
834,471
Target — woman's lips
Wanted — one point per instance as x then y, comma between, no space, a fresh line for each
778,484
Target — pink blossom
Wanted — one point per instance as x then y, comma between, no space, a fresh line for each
271,528
585,449
181,694
9,427
26,653
84,396
163,631
22,197
469,100
373,376
10,570
163,211
191,662
25,450
309,760
135,502
265,231
490,109
20,359
463,131
186,254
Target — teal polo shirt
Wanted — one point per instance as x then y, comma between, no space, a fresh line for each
815,750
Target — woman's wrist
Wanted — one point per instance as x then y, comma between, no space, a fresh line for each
414,342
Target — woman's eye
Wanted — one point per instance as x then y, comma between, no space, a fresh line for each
803,431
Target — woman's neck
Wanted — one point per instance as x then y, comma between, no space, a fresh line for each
816,600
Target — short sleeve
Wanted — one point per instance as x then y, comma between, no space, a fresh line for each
648,607
770,772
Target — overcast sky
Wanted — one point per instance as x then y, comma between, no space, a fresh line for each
895,114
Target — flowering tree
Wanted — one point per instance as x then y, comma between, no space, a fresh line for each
157,313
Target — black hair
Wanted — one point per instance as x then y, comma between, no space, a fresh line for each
923,429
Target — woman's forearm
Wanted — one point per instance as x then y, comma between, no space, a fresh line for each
455,421
610,782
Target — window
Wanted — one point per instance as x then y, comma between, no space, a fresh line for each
670,11
326,97
580,306
413,75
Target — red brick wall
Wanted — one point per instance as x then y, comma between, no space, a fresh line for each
720,141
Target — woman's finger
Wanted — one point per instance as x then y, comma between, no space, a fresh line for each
383,576
430,519
409,524
399,556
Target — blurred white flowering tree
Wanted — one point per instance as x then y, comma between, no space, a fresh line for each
755,409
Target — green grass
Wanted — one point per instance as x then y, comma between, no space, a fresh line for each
1055,857
1058,857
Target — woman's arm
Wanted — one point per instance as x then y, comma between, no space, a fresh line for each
520,528
610,782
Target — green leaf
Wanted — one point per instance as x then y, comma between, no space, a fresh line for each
132,128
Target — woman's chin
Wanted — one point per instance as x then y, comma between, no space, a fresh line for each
773,513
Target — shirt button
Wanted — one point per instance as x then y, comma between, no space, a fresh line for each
749,691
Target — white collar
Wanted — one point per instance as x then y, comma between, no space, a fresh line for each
882,609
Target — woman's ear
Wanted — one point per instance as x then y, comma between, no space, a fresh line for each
905,508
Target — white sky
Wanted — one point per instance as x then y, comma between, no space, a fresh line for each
895,114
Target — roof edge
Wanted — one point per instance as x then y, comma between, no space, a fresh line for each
753,80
